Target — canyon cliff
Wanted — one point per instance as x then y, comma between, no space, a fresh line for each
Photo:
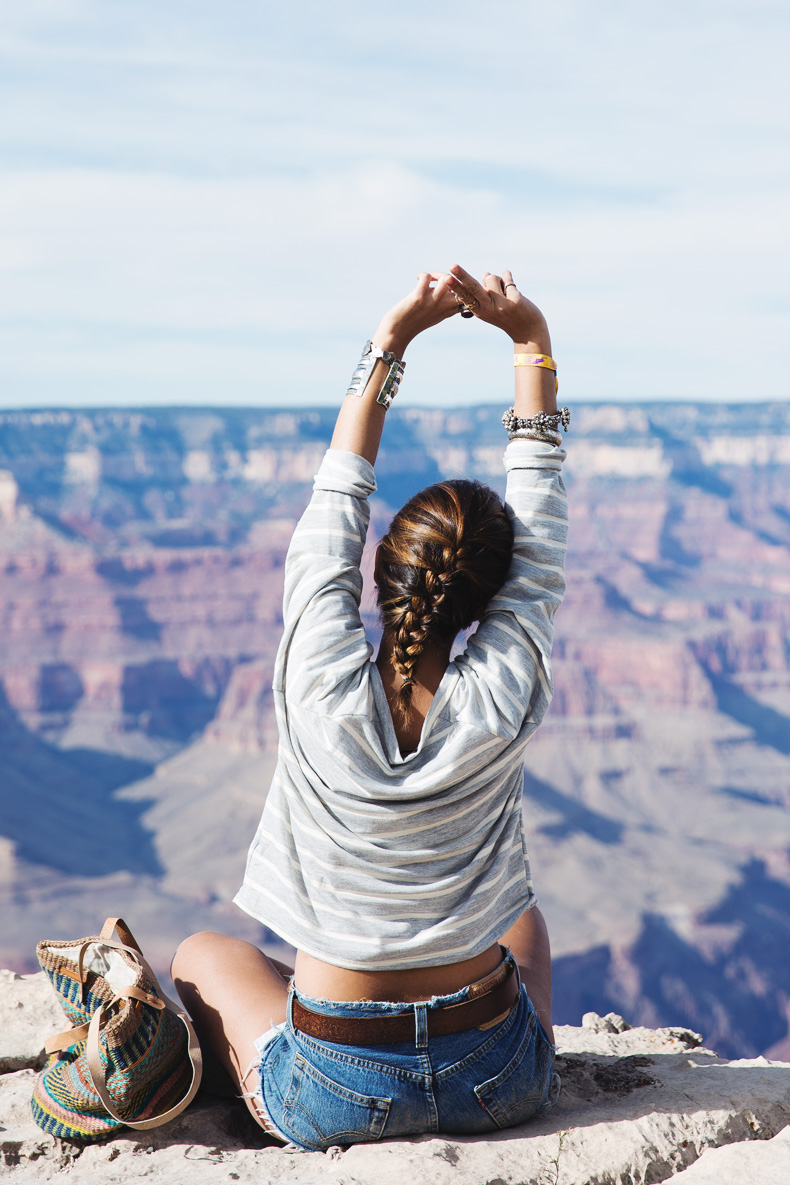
141,556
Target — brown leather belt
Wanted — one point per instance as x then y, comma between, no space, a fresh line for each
386,1030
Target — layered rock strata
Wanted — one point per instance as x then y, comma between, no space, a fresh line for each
141,559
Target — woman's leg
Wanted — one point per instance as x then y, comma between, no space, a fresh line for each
528,939
233,994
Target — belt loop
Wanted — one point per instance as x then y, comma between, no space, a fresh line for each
509,957
421,1025
289,1007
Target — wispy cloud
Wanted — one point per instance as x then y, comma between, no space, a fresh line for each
203,202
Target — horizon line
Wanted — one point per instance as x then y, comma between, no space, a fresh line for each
329,407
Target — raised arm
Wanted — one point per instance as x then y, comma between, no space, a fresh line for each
498,301
507,662
361,420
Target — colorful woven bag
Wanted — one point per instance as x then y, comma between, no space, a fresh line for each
132,1058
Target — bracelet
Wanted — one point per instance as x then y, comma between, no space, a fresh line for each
540,422
364,369
543,360
534,434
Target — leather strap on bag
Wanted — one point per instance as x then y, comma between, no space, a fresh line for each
127,943
93,1028
118,925
80,1032
93,1049
98,1078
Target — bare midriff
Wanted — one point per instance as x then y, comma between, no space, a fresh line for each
324,981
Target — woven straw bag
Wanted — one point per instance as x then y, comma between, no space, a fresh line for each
132,1058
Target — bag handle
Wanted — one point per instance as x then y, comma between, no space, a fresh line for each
71,1037
112,925
93,1050
98,1077
128,943
92,1029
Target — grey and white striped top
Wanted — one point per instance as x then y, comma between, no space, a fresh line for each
367,859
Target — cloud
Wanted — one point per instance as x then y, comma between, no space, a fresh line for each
196,199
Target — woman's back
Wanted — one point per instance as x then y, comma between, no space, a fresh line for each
428,674
381,851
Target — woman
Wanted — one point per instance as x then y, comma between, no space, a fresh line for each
391,850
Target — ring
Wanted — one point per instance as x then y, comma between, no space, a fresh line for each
510,285
468,306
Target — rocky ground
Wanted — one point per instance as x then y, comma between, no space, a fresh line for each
638,1106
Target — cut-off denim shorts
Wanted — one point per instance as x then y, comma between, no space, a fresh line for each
317,1094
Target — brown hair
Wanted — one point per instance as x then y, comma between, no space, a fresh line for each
445,555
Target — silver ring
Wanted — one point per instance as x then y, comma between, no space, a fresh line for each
510,285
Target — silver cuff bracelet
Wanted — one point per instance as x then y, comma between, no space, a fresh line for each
535,434
364,369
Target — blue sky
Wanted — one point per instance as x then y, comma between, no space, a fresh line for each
213,203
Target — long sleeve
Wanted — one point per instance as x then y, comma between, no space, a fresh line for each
324,648
507,663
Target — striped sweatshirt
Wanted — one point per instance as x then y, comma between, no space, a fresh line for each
365,858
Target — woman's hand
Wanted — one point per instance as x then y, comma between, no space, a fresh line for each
360,421
498,301
430,302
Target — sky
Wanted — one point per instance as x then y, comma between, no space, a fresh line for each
206,203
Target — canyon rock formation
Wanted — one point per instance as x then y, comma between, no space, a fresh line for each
141,558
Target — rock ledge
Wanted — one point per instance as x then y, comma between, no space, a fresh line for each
638,1105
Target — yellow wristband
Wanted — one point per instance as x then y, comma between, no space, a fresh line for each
542,360
535,360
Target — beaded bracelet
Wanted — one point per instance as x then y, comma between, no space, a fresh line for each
540,421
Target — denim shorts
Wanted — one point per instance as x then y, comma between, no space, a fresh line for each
316,1094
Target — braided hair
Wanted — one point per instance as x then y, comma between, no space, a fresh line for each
445,555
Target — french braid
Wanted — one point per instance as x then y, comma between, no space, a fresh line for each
445,555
